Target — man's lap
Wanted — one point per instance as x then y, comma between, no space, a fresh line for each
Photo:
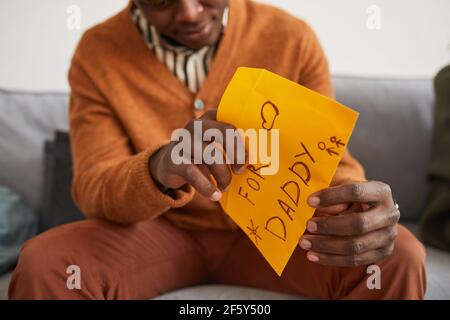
154,257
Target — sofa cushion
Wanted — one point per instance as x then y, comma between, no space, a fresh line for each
26,121
225,292
392,138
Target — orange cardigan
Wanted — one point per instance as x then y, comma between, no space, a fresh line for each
124,105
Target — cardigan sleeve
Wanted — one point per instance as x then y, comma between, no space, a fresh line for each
111,181
315,75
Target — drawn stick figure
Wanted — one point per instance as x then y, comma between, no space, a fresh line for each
322,146
337,142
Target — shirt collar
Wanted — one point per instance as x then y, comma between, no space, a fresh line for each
154,39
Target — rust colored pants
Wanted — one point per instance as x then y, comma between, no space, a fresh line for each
154,257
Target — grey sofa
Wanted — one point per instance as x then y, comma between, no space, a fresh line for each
392,140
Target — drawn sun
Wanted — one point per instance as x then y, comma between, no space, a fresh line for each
254,231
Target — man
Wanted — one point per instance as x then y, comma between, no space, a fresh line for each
156,226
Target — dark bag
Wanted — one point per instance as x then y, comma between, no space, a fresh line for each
435,225
58,206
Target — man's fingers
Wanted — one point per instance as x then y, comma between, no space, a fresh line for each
230,141
212,165
196,178
221,174
204,169
365,258
349,246
209,115
363,192
356,223
222,134
332,210
216,165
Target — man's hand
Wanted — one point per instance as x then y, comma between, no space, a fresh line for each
355,224
171,175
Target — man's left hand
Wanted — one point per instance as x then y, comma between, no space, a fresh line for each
355,224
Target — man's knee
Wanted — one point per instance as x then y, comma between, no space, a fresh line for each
407,265
409,251
30,273
102,251
41,270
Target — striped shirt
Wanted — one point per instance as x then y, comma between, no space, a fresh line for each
188,65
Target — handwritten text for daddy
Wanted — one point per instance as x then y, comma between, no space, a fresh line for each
313,134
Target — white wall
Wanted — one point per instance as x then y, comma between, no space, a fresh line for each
35,44
414,40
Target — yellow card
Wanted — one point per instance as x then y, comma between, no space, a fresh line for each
306,135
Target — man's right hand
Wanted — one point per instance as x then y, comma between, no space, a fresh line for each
172,175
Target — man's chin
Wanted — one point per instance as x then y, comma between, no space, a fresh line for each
196,44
